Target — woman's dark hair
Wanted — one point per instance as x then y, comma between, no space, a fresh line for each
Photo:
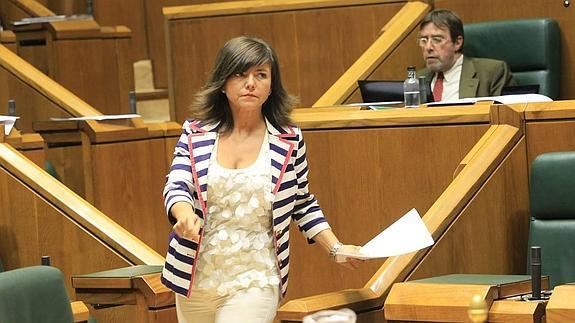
237,56
444,18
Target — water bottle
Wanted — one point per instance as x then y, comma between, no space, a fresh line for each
411,89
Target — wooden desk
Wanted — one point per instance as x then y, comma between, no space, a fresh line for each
91,61
137,286
474,205
30,145
561,306
447,299
8,39
116,160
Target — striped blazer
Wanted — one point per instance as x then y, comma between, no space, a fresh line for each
187,181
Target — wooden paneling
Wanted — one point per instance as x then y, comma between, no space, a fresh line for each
433,302
517,311
156,36
13,10
472,245
311,57
494,166
67,161
480,222
26,99
32,228
133,172
129,13
550,127
142,293
97,70
30,145
38,96
372,176
39,216
400,30
86,156
66,7
449,302
561,307
95,64
8,39
81,213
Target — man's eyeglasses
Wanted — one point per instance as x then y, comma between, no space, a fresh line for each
434,40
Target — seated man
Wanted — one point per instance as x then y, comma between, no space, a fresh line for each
454,76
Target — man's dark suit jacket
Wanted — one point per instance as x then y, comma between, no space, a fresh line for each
480,77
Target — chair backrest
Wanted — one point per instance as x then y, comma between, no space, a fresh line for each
386,90
552,206
380,91
34,294
531,47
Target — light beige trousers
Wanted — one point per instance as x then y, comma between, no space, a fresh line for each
253,305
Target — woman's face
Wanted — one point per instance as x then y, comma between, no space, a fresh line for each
250,89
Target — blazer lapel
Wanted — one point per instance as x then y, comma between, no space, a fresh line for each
201,143
282,144
468,84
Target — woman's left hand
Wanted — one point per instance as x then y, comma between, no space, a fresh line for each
349,262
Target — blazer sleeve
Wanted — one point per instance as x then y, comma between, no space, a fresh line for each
307,214
502,77
179,181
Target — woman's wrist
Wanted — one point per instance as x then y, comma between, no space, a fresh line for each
334,249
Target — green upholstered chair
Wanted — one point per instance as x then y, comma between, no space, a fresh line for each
531,47
34,294
552,206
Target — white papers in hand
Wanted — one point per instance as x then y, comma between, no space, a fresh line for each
405,235
8,122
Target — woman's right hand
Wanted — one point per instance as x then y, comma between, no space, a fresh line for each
188,224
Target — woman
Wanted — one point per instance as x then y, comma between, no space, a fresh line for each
239,176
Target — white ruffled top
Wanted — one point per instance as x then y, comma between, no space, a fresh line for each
237,250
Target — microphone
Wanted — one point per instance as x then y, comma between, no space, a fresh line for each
133,103
45,260
536,272
11,108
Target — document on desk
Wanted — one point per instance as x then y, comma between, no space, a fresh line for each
99,118
8,122
405,235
